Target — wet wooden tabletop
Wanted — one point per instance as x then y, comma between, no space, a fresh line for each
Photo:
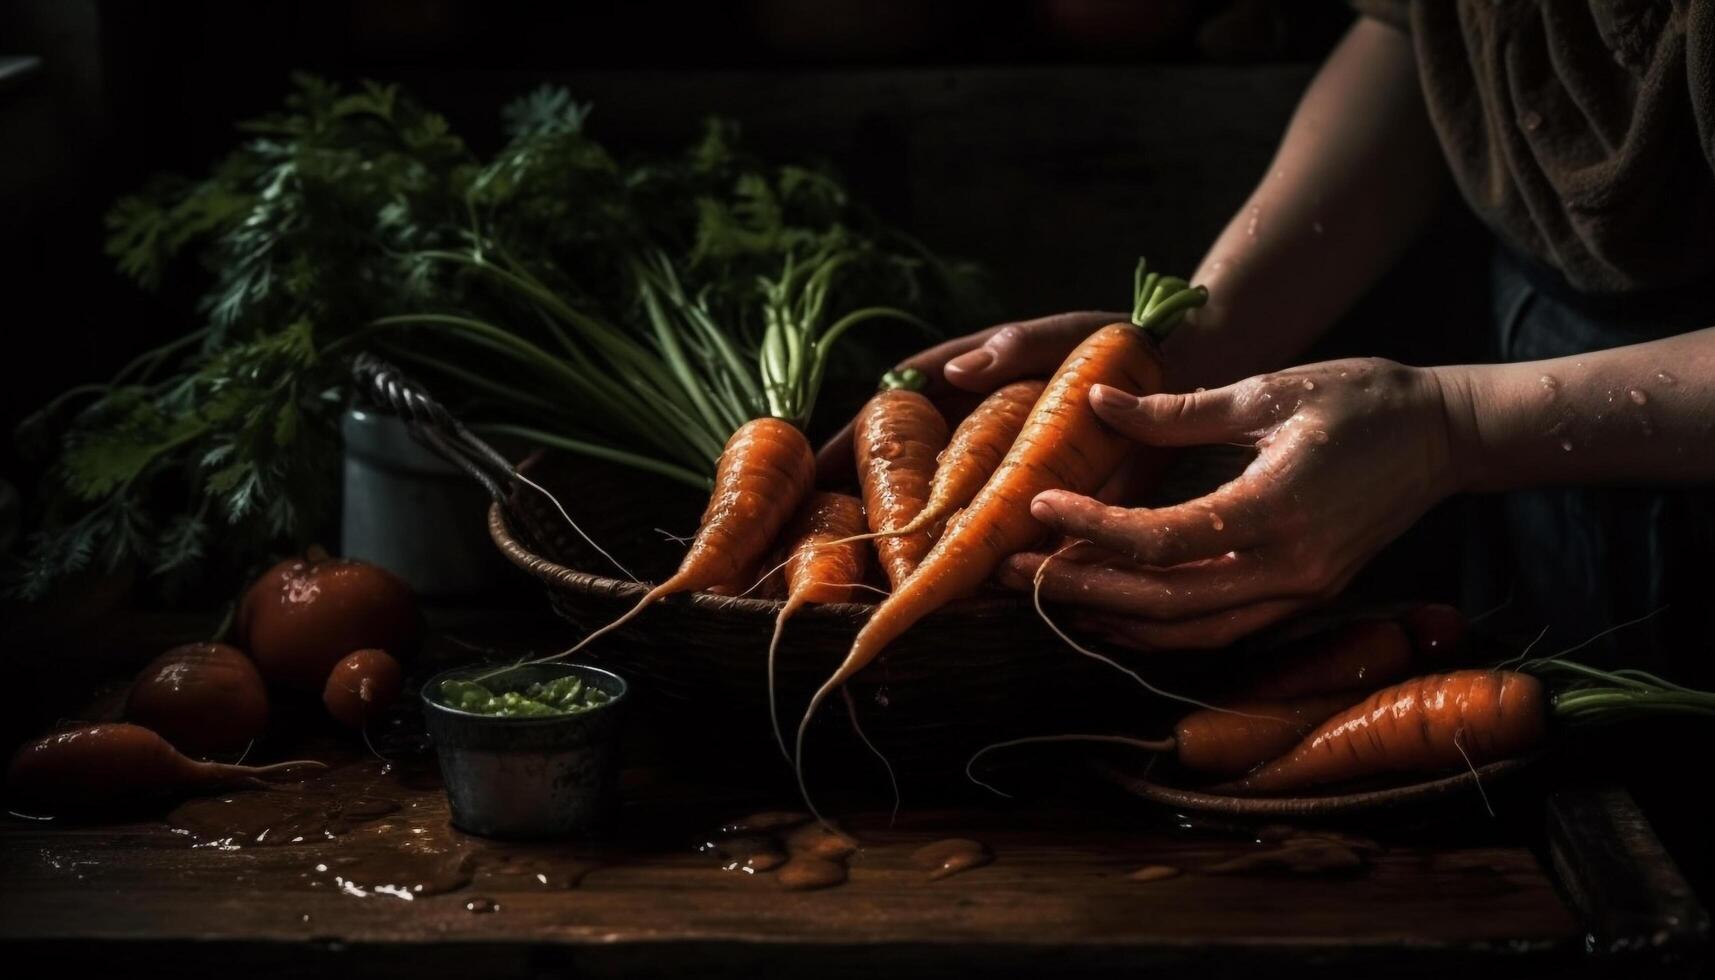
359,869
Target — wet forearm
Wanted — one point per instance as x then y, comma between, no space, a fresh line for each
1642,414
1357,175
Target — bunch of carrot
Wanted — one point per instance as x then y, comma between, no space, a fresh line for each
943,508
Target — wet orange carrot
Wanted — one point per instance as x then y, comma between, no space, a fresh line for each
1435,724
824,563
1063,446
764,473
895,439
975,451
1246,734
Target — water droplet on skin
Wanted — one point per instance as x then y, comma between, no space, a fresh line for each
1665,378
1319,437
1201,390
1280,174
1638,396
1256,217
1309,385
1549,382
1566,445
1215,521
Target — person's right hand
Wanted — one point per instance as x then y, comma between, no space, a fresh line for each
978,363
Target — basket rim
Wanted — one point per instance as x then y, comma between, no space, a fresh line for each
560,576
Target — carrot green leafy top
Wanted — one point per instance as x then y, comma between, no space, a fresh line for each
1160,302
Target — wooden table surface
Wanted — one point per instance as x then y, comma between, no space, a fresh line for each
377,881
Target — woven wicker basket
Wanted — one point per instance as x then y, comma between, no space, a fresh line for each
981,669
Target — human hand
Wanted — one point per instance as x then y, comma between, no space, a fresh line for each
1349,454
978,363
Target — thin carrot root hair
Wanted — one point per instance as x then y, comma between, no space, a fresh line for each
1476,777
256,775
1525,653
892,778
762,578
649,598
574,524
1155,747
1036,600
798,745
793,604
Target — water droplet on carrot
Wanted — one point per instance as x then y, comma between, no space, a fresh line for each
1638,396
1215,521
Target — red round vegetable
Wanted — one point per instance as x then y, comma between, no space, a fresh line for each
362,686
109,769
304,615
204,698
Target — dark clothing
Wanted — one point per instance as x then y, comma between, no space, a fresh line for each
1584,559
1581,131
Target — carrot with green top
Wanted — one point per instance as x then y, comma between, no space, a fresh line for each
1062,446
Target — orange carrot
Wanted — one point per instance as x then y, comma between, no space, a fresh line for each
895,439
1433,724
1245,734
1063,446
975,452
1361,655
764,472
823,565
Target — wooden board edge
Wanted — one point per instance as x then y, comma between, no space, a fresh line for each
1633,899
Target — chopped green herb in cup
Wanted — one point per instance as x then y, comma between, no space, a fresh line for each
567,695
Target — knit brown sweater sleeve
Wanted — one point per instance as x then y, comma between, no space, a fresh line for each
1581,131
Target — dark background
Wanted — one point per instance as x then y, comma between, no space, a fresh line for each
1051,140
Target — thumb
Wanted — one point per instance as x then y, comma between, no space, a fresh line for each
1032,348
1195,419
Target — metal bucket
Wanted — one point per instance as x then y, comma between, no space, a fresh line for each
413,513
528,777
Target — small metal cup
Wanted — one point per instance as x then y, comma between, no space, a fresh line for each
528,777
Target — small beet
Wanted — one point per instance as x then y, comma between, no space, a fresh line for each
204,698
361,686
305,615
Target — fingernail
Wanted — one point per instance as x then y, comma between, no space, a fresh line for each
1114,398
1042,508
971,362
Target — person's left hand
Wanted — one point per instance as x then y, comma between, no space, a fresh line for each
1349,454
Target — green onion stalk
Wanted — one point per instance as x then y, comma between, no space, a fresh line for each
662,398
